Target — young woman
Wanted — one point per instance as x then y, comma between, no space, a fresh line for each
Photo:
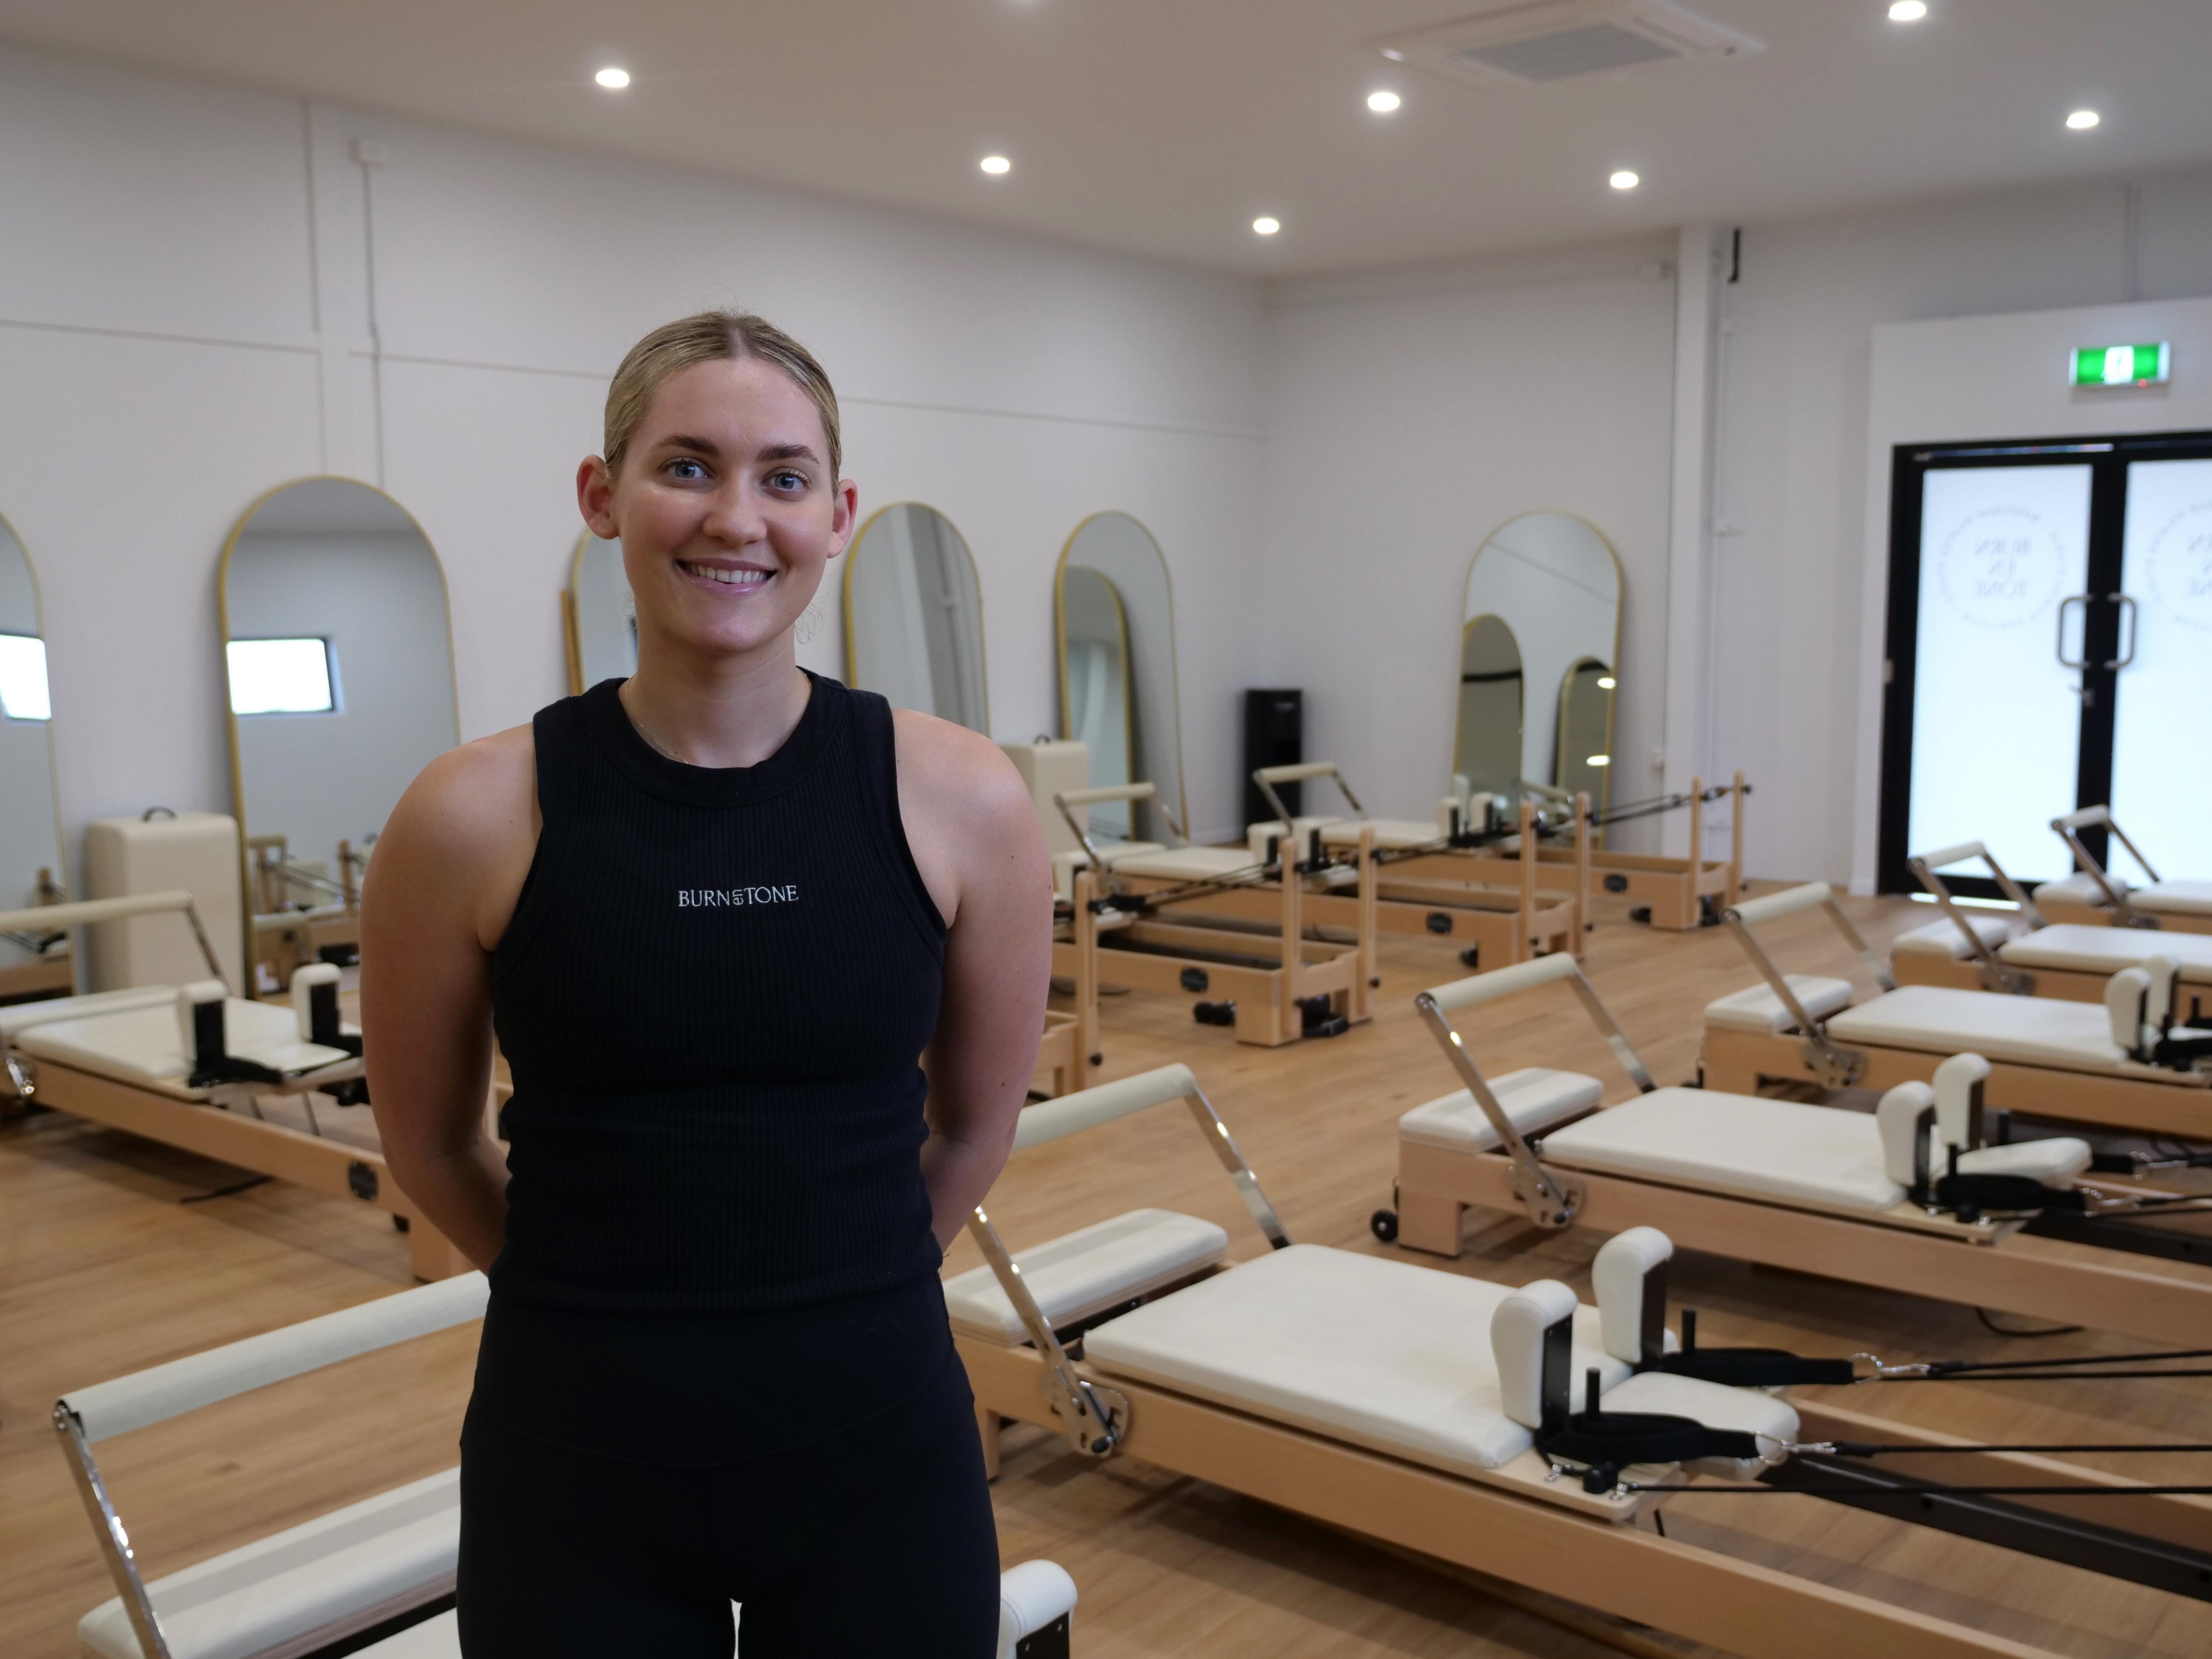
716,913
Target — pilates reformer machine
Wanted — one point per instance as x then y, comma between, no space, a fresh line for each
47,968
1912,1197
291,930
1225,923
2123,1064
373,1579
2093,897
198,1069
2023,954
1511,1431
1675,894
1441,880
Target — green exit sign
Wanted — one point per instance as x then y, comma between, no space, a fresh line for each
2122,365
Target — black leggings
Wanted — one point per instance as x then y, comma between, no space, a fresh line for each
875,1541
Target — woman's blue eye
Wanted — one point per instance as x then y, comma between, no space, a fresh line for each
685,467
787,480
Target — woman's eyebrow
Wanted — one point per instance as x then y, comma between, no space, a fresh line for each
789,452
706,446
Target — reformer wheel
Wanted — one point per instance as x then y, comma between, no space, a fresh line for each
1383,1224
1471,957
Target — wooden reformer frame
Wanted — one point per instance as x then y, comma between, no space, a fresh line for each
1990,1264
1269,969
48,972
1677,891
212,1129
2149,1101
1548,1535
1459,893
287,938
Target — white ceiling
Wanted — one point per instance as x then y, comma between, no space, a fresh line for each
1163,126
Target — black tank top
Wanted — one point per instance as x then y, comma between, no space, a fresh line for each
714,997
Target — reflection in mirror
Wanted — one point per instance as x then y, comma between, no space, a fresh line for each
913,615
34,962
341,669
601,614
1583,756
1095,638
1486,744
1116,619
1556,583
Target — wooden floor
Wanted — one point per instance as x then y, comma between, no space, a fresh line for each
108,1263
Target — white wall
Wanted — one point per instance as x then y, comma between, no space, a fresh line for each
1410,414
186,322
1801,488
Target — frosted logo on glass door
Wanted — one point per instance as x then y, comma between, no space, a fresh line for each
2161,787
1999,567
2177,563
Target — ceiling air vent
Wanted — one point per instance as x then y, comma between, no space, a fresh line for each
1557,39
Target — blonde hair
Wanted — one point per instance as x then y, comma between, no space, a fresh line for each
710,337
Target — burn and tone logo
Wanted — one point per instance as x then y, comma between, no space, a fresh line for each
2178,567
2000,566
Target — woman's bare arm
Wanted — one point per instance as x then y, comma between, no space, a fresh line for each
976,843
440,890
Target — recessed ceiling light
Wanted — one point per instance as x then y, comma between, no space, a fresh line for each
996,165
613,79
1624,179
2082,119
1908,11
1264,226
1382,102
1394,54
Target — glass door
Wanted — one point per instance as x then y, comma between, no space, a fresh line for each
2050,633
2162,782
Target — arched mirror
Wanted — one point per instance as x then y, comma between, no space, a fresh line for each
1555,583
34,962
1115,625
1486,738
340,662
913,615
600,614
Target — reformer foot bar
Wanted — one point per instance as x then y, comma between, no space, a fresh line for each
379,1571
1438,1412
1217,923
1444,881
2125,1065
1868,1197
2022,954
191,1067
2095,898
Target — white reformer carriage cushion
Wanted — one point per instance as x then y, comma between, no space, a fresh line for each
378,1557
1189,864
1378,1353
1943,939
2074,1037
1396,833
1756,1147
1086,1272
2081,949
2080,888
2175,898
1759,1010
1534,1098
142,1045
22,1016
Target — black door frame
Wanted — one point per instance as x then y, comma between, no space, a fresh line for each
2107,456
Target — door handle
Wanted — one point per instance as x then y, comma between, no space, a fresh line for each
2065,661
2127,609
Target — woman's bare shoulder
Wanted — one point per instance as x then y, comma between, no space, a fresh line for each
474,807
955,772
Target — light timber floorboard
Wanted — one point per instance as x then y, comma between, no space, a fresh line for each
104,1269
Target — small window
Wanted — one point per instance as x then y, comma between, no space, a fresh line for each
281,676
23,677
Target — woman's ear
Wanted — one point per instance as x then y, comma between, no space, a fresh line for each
846,515
595,498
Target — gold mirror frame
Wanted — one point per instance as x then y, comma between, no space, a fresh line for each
26,977
246,888
572,619
1180,813
975,577
1620,593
